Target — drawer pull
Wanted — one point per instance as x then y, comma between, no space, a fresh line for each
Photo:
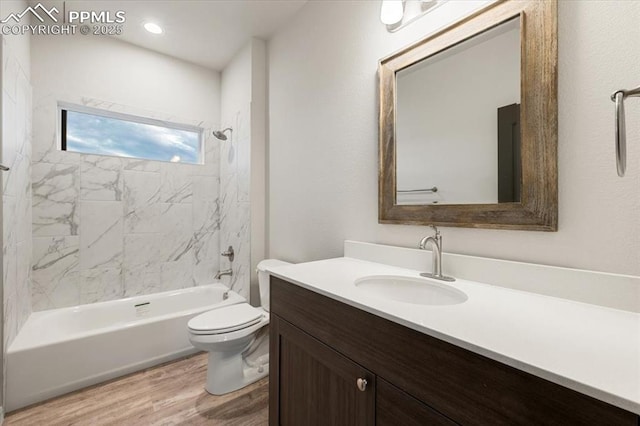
362,384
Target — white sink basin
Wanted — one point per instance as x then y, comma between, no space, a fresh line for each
417,291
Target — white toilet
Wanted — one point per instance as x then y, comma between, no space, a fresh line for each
236,338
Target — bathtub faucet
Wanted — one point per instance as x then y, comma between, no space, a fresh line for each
223,273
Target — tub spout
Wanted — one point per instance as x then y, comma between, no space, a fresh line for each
223,273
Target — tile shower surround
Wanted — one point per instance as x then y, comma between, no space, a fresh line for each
16,193
108,227
235,206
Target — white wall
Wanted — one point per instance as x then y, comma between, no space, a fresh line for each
129,75
107,227
242,166
323,139
446,119
258,180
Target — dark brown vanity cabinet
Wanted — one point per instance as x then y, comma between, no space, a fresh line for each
322,352
321,383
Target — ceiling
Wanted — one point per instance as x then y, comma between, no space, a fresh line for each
204,32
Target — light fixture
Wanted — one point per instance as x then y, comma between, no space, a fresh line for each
153,28
391,11
396,14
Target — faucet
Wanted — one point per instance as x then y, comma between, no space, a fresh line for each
223,273
436,249
230,254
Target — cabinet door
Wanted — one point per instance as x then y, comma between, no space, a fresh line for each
395,407
311,384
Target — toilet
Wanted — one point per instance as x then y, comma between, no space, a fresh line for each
236,338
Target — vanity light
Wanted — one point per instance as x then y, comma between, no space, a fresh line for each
397,14
153,28
391,11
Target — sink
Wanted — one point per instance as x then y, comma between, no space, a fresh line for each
416,291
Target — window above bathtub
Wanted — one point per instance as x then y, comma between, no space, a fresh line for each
94,131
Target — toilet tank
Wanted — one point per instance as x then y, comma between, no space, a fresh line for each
263,279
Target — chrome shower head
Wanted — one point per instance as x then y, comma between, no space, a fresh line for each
219,134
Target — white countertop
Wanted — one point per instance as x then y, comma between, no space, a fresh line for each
592,349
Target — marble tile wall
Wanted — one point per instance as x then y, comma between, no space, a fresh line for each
235,207
105,228
16,193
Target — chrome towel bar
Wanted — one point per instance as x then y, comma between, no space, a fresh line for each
621,134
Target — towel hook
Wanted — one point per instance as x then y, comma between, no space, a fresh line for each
621,134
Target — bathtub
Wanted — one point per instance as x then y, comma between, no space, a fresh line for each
61,350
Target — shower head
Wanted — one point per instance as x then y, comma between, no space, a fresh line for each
220,133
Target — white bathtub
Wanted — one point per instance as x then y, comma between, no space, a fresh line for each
61,350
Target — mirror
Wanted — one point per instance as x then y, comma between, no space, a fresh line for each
468,123
457,123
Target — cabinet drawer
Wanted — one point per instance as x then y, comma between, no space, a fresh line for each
464,386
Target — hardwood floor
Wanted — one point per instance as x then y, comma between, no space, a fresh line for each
170,394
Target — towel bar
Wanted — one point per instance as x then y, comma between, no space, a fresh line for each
621,134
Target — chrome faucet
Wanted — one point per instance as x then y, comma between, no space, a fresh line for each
230,254
436,249
223,273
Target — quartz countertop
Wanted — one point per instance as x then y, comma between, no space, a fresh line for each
592,349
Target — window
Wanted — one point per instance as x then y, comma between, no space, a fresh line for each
94,131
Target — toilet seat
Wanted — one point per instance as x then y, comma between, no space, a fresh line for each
204,341
226,320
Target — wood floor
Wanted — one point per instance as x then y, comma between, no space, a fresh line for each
170,394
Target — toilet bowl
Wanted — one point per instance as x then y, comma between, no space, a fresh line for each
236,338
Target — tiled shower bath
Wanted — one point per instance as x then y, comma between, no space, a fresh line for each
105,227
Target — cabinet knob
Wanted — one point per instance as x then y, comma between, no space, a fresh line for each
362,384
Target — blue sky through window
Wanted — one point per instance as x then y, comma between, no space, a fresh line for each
95,134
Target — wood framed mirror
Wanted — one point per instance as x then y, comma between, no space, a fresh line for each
469,123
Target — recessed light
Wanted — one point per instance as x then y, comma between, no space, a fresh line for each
153,28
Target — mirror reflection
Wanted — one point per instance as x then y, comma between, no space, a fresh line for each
458,123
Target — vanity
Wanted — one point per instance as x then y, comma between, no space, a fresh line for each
343,354
464,141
